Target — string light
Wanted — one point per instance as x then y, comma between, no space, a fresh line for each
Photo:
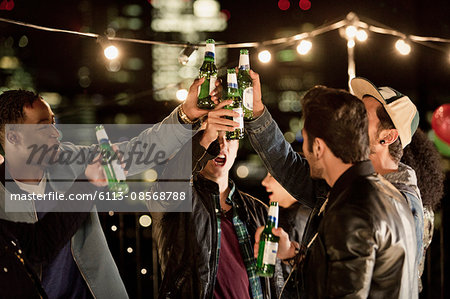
351,43
361,35
183,58
143,271
264,56
351,32
113,228
403,47
182,94
130,250
111,52
304,47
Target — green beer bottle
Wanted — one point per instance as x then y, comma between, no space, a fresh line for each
233,94
208,71
111,164
268,244
245,84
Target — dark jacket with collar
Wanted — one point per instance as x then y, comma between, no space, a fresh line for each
24,246
365,246
187,242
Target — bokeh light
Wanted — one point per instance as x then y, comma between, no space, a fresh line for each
361,35
403,47
304,47
111,52
264,56
284,4
304,4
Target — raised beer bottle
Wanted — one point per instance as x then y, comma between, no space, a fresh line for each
236,106
208,71
111,164
268,244
245,84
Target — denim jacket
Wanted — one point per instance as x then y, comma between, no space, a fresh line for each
89,247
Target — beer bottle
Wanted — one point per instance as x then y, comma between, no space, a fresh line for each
268,244
245,84
208,71
236,106
111,164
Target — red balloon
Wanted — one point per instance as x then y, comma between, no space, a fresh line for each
441,122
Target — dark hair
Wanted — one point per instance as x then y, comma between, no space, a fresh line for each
426,161
395,148
340,119
11,108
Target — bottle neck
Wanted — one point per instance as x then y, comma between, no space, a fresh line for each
244,62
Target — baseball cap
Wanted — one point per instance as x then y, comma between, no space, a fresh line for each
400,108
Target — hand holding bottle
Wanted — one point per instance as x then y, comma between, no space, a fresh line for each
286,249
216,122
190,105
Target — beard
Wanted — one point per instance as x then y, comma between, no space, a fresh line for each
316,172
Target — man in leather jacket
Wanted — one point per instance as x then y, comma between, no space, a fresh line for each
208,252
363,242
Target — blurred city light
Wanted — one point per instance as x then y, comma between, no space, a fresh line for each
264,56
403,47
304,47
284,4
206,8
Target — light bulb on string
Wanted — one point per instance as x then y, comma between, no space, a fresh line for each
350,43
304,47
403,47
361,35
351,32
110,51
186,53
264,56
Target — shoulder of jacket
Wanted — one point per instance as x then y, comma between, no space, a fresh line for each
253,200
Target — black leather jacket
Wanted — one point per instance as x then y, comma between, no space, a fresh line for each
366,243
187,242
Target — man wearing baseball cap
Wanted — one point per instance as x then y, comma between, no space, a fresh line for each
393,119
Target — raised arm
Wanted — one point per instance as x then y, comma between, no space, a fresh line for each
285,165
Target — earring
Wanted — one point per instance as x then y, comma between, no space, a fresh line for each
382,141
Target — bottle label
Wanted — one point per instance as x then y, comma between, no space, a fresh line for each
270,253
212,83
118,170
244,62
247,96
240,118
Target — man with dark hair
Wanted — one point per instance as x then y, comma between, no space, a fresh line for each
208,253
364,241
84,268
393,120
